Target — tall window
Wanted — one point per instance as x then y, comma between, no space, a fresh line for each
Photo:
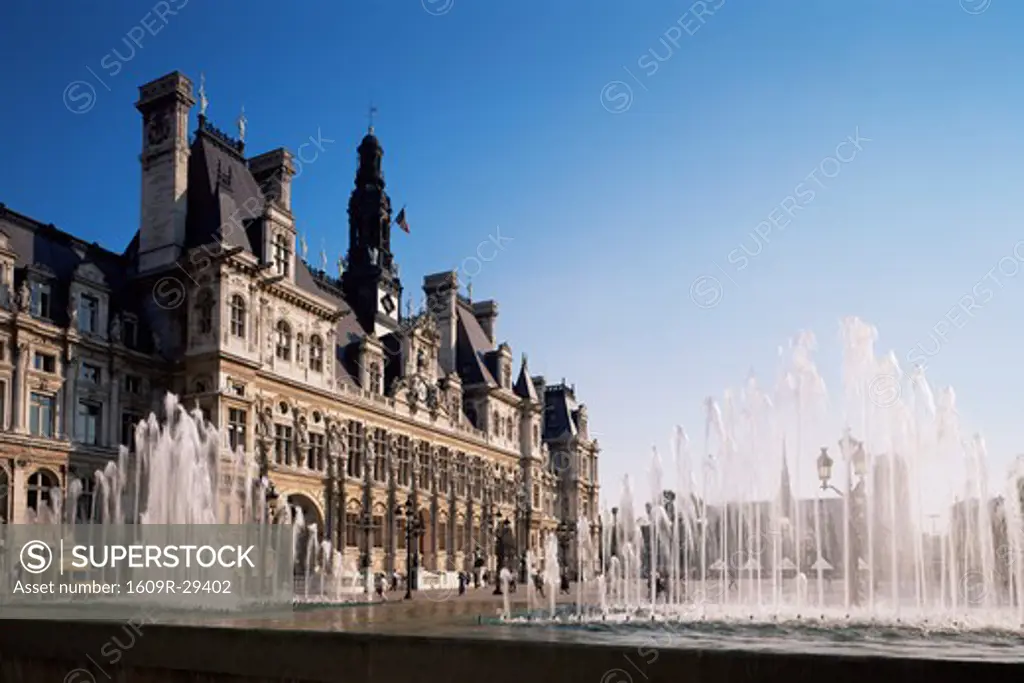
83,512
378,529
315,459
44,362
88,419
3,413
42,298
355,449
400,532
404,461
282,254
204,309
40,415
460,535
88,314
425,473
352,529
236,428
442,472
283,444
284,340
130,332
238,316
442,534
380,455
90,373
316,353
460,477
496,426
128,422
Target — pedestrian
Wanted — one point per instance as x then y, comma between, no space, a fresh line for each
380,588
462,583
565,582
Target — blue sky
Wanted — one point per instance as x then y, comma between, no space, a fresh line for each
497,114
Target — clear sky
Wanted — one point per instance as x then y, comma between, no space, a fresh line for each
622,199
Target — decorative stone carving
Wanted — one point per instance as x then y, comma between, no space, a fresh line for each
24,297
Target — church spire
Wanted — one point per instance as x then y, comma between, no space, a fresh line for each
785,492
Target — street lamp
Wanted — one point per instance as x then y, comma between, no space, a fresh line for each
857,460
413,530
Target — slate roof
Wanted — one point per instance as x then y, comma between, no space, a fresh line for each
560,412
472,348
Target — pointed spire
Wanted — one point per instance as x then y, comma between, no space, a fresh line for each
523,387
203,102
785,492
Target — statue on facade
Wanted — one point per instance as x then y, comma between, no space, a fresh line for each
24,297
302,430
73,312
115,329
265,428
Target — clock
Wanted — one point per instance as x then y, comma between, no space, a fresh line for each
159,129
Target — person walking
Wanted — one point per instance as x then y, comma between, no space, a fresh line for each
462,583
380,588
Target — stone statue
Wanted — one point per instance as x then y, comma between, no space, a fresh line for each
24,297
73,312
158,346
115,329
303,431
266,425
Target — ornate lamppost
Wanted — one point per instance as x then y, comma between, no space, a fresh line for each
413,530
856,461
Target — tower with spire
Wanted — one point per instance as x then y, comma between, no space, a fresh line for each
370,281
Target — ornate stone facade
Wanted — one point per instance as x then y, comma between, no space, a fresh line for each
352,407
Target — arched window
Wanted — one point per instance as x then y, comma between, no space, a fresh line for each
238,316
496,429
284,341
282,254
442,534
316,353
511,428
375,378
39,486
204,311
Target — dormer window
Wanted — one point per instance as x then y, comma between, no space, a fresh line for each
42,299
282,254
284,341
316,353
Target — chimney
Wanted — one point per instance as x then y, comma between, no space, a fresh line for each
486,313
441,290
164,105
273,171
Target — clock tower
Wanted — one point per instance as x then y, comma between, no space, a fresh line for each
164,105
371,281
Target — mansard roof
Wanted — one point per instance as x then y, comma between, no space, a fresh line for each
472,349
560,411
221,193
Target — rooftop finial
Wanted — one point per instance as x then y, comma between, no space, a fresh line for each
203,102
242,121
323,257
469,289
373,112
304,245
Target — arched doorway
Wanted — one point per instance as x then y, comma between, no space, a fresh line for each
308,547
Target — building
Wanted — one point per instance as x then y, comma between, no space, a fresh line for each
351,406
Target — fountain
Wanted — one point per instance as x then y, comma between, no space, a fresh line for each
869,512
170,479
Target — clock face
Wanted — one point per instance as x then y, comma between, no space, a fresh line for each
159,129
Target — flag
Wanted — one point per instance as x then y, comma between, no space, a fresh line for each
401,221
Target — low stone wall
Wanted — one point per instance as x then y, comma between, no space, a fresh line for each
88,652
